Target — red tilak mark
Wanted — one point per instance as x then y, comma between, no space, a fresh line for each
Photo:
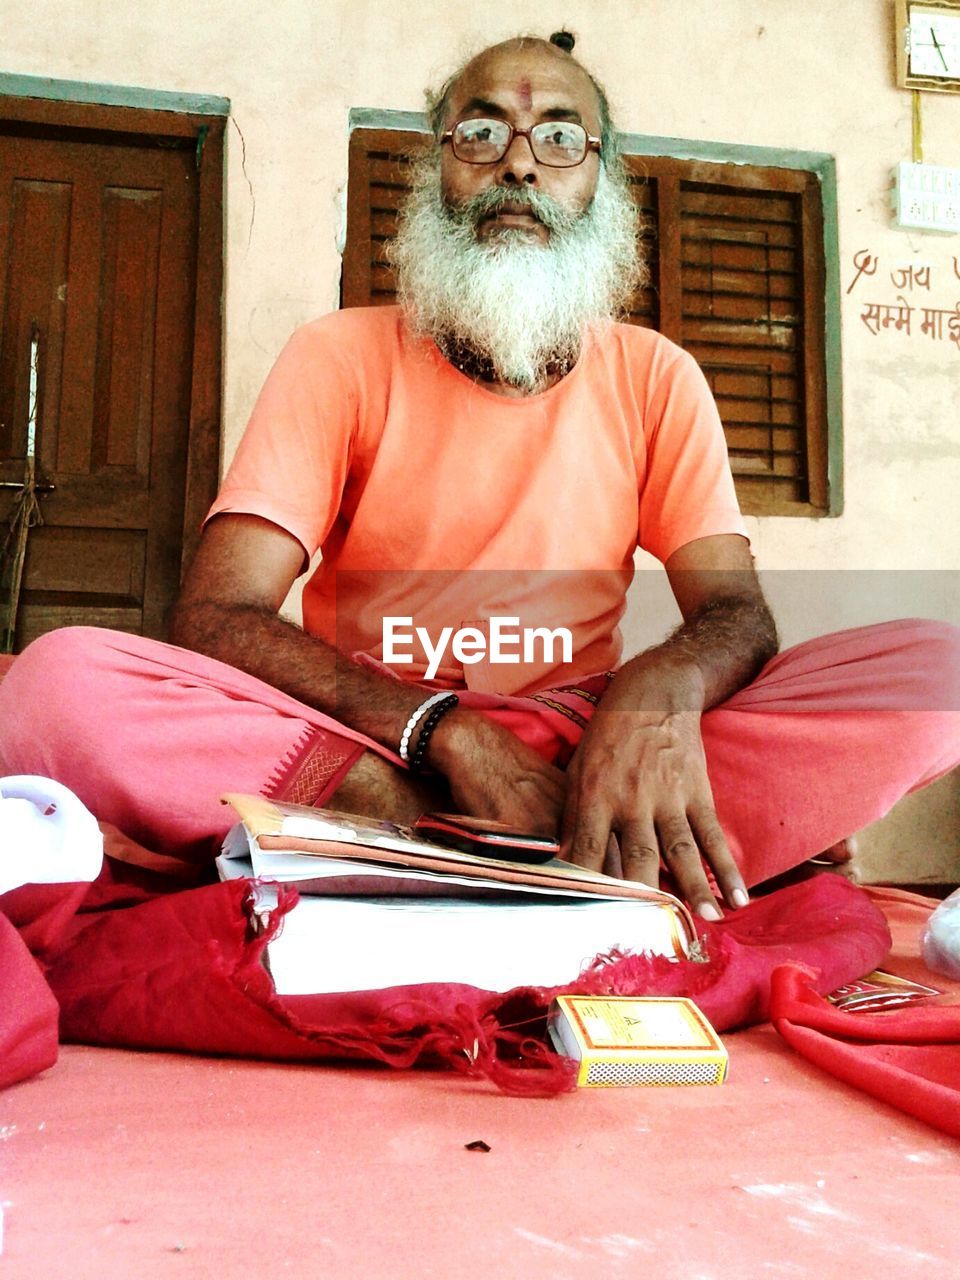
525,93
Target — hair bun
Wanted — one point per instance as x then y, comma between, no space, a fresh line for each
564,40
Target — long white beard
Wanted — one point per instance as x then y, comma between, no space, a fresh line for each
515,304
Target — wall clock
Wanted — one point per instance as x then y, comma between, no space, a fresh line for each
928,45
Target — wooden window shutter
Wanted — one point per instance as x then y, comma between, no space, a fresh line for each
377,185
736,277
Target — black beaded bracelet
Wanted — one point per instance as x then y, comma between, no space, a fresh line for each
433,718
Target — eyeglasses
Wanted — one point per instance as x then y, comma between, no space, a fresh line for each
559,144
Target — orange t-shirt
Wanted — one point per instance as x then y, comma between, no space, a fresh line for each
435,499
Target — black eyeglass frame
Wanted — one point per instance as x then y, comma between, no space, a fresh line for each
592,143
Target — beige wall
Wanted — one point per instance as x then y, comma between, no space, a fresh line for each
816,75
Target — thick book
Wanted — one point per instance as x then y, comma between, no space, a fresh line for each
383,907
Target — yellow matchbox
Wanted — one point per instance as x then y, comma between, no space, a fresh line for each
631,1040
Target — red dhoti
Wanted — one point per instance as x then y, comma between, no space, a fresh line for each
825,740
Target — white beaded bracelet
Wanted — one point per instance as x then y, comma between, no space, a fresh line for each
415,719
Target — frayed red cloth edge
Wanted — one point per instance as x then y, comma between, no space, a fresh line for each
907,1057
183,971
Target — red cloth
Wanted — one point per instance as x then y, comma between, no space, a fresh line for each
28,1008
181,971
908,1057
28,1011
33,919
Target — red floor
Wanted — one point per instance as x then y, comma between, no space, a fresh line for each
117,1164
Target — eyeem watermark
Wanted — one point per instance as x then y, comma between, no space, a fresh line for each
506,642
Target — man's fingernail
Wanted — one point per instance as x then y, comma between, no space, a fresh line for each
709,911
740,898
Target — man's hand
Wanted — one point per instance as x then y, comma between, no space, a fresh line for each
640,774
492,774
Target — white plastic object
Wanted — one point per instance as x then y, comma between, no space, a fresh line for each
940,943
47,835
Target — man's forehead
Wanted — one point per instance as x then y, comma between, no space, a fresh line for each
533,76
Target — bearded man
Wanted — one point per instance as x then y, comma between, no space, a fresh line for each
495,447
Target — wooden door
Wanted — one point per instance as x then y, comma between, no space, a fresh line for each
99,258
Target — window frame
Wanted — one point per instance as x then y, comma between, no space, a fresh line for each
827,485
709,162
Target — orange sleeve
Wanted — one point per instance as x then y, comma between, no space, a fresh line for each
687,489
292,462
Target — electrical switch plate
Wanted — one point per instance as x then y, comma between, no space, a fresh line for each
927,196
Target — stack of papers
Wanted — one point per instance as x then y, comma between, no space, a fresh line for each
382,908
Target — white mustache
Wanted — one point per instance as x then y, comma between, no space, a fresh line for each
553,215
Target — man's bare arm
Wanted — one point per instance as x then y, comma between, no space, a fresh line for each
640,771
228,609
727,630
